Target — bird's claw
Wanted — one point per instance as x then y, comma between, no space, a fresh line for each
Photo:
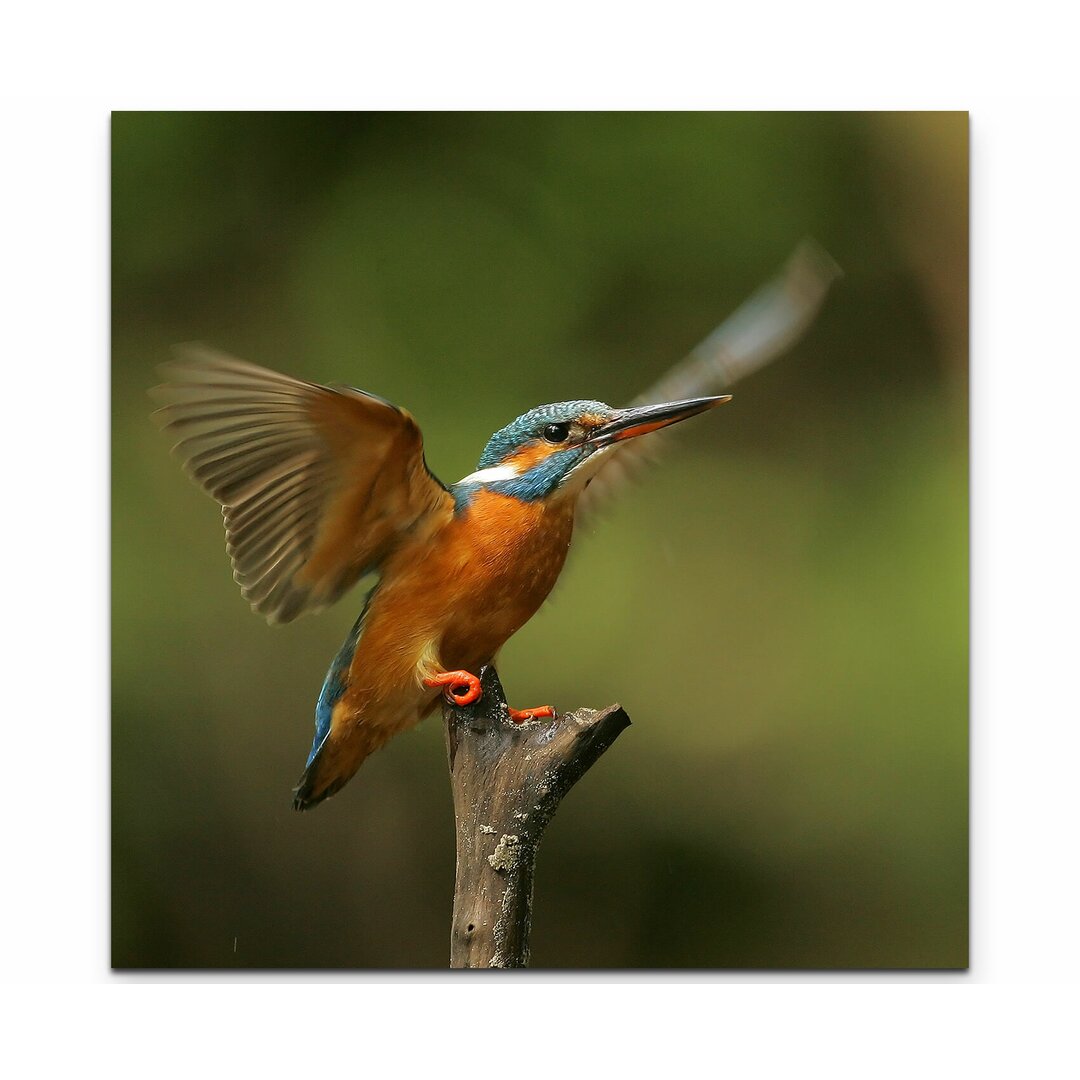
519,716
460,687
463,688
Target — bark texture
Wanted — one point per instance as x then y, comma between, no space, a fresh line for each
508,780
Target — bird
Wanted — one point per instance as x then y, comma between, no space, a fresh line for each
323,485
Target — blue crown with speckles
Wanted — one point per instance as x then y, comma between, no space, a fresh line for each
531,426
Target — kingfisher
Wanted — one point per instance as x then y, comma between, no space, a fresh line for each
323,485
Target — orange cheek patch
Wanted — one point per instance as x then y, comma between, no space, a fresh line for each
529,455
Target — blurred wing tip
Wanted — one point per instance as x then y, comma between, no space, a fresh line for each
159,415
195,352
187,358
280,613
812,258
187,355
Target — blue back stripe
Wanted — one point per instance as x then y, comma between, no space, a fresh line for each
336,682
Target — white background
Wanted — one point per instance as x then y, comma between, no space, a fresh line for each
62,71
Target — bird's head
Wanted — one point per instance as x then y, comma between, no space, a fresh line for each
556,449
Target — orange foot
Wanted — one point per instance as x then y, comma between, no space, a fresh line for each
519,716
461,687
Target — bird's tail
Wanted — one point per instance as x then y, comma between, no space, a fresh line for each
335,763
310,790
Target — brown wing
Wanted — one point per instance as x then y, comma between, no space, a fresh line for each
770,321
317,484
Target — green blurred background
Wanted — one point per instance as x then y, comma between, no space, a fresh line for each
781,604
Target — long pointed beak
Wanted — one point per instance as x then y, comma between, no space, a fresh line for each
630,423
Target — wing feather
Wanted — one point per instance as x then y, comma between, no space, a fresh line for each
317,484
759,331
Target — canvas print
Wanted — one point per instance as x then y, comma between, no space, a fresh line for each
570,569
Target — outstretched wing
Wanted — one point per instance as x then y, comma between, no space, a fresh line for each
759,331
317,484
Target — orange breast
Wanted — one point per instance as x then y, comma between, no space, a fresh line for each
506,557
456,597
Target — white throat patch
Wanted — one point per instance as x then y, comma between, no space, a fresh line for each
490,475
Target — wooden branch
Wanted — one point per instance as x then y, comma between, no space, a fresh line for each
508,780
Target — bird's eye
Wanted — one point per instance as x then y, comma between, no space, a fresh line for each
557,433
